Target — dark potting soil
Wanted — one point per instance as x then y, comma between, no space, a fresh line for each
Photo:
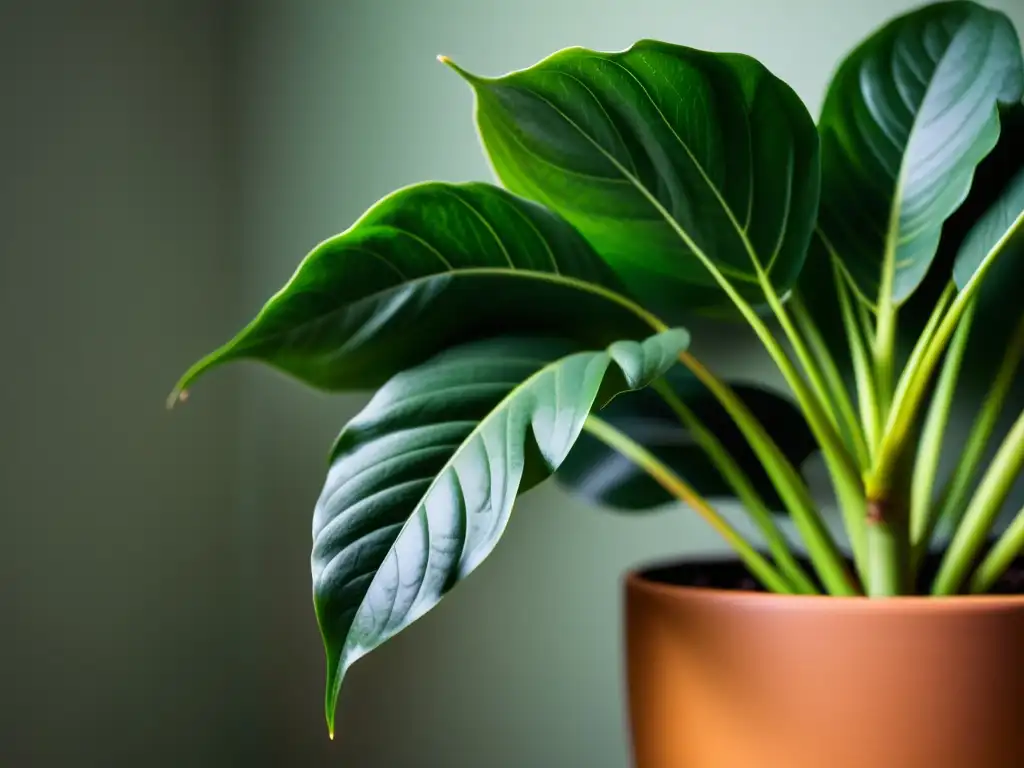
731,574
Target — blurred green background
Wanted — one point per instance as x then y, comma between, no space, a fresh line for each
165,166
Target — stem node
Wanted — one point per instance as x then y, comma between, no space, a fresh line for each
876,511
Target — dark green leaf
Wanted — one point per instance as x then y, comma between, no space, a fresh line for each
997,238
999,232
999,306
908,117
422,481
659,151
430,266
599,474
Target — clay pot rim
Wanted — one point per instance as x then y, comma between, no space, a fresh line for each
638,579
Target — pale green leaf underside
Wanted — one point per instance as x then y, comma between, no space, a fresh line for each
657,152
429,266
422,481
908,117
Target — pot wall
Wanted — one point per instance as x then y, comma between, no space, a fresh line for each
729,679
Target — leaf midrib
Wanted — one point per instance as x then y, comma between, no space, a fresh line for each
563,279
893,240
239,346
498,409
642,188
740,231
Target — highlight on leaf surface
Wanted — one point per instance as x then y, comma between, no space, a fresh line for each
668,159
429,266
909,115
422,481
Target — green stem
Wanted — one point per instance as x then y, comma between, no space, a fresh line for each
744,489
867,326
981,512
888,539
867,399
841,465
884,557
884,350
848,486
839,461
917,378
885,327
923,512
953,500
1000,557
822,549
909,393
839,398
925,339
808,363
671,482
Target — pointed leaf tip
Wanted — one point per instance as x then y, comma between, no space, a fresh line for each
331,701
469,77
178,395
576,159
520,389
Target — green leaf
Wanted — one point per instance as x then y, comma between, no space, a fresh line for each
996,240
427,267
658,154
999,309
601,475
908,116
996,300
422,481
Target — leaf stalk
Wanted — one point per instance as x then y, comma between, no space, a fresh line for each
761,569
752,502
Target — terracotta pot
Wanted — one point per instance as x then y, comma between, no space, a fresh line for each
733,679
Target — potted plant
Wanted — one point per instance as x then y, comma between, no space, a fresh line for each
536,330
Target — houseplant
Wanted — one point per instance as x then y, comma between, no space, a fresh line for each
643,189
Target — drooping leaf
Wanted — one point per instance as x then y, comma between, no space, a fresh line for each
601,475
422,481
908,116
427,267
656,152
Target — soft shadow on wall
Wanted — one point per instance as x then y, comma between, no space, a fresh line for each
116,265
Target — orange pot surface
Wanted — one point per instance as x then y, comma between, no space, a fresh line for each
732,679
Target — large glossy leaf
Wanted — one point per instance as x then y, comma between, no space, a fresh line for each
907,118
603,476
422,481
997,299
657,152
430,266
